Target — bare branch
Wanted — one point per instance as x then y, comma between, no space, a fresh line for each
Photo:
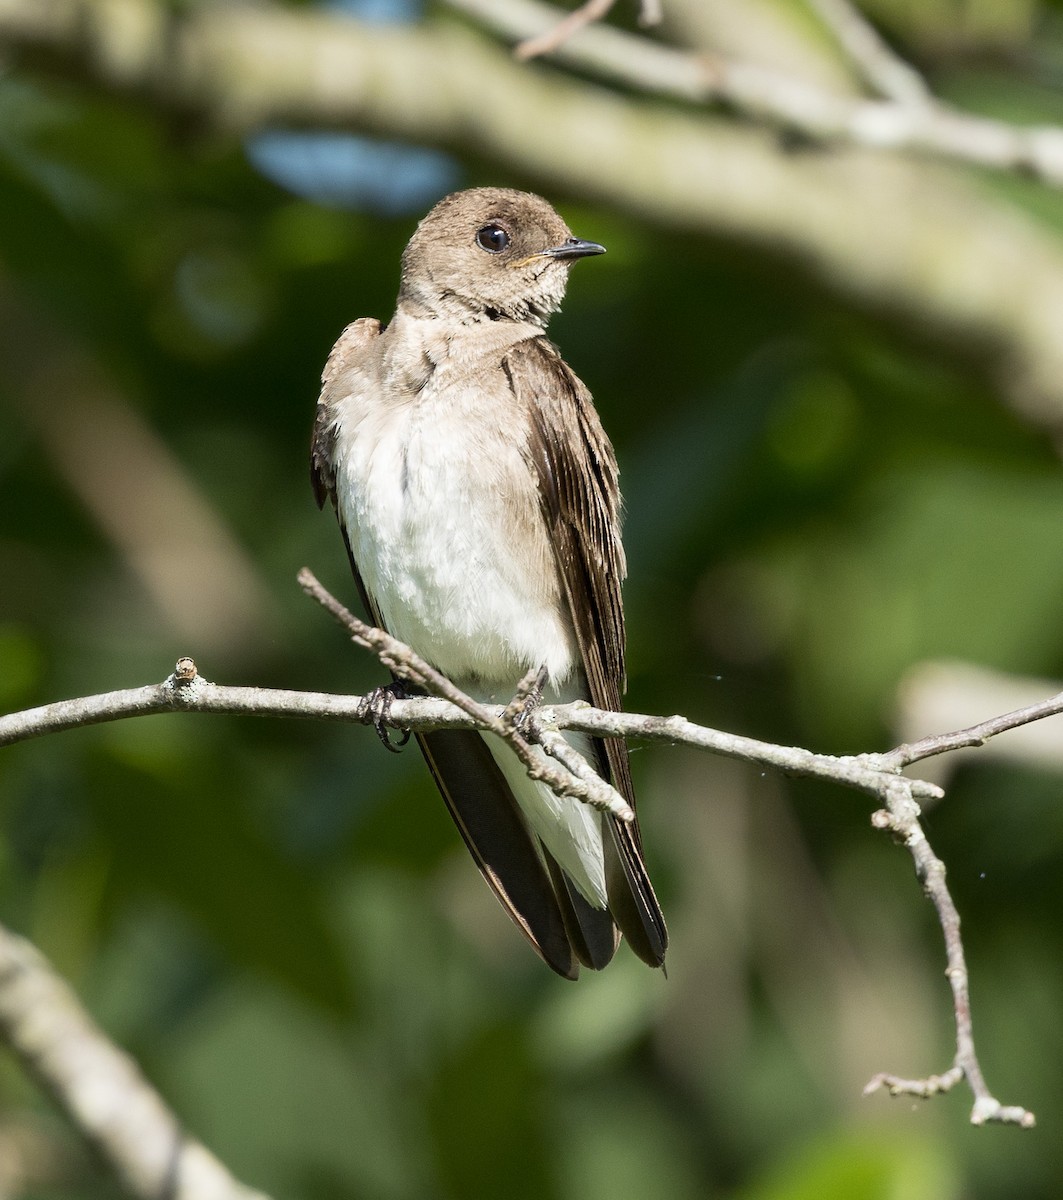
901,817
520,726
184,692
188,691
100,1088
949,694
993,281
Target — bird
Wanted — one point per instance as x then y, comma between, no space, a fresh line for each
478,497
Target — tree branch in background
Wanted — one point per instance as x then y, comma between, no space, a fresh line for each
102,446
879,66
876,774
910,118
650,13
100,1088
991,283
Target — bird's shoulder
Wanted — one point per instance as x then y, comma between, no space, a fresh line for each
354,345
541,368
355,350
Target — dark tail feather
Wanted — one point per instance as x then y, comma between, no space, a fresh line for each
489,820
631,898
592,932
564,929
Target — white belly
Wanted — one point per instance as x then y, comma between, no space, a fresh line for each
441,538
432,531
445,527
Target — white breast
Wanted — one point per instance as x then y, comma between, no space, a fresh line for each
442,511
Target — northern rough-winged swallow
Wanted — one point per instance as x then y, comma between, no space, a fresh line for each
478,497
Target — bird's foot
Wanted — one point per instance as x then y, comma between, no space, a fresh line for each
528,697
375,710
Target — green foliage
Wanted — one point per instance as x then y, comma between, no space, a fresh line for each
279,920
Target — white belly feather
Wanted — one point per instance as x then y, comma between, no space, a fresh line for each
427,530
426,523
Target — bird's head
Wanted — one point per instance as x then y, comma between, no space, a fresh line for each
490,253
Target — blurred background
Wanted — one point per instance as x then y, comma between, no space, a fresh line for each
834,376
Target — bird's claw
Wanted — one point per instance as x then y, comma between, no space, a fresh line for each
528,698
375,710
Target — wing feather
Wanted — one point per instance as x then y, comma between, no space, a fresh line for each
579,489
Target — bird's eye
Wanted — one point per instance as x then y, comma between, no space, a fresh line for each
492,238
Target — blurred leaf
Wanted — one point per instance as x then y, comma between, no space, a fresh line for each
295,1104
485,1110
279,919
860,1168
20,666
173,835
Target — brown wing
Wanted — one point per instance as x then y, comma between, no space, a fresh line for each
480,802
581,502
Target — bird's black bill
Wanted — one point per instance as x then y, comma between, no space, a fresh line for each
573,248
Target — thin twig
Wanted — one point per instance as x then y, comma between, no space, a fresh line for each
925,1088
545,43
526,698
871,54
100,1088
901,817
558,746
974,735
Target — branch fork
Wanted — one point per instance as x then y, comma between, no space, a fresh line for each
515,725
